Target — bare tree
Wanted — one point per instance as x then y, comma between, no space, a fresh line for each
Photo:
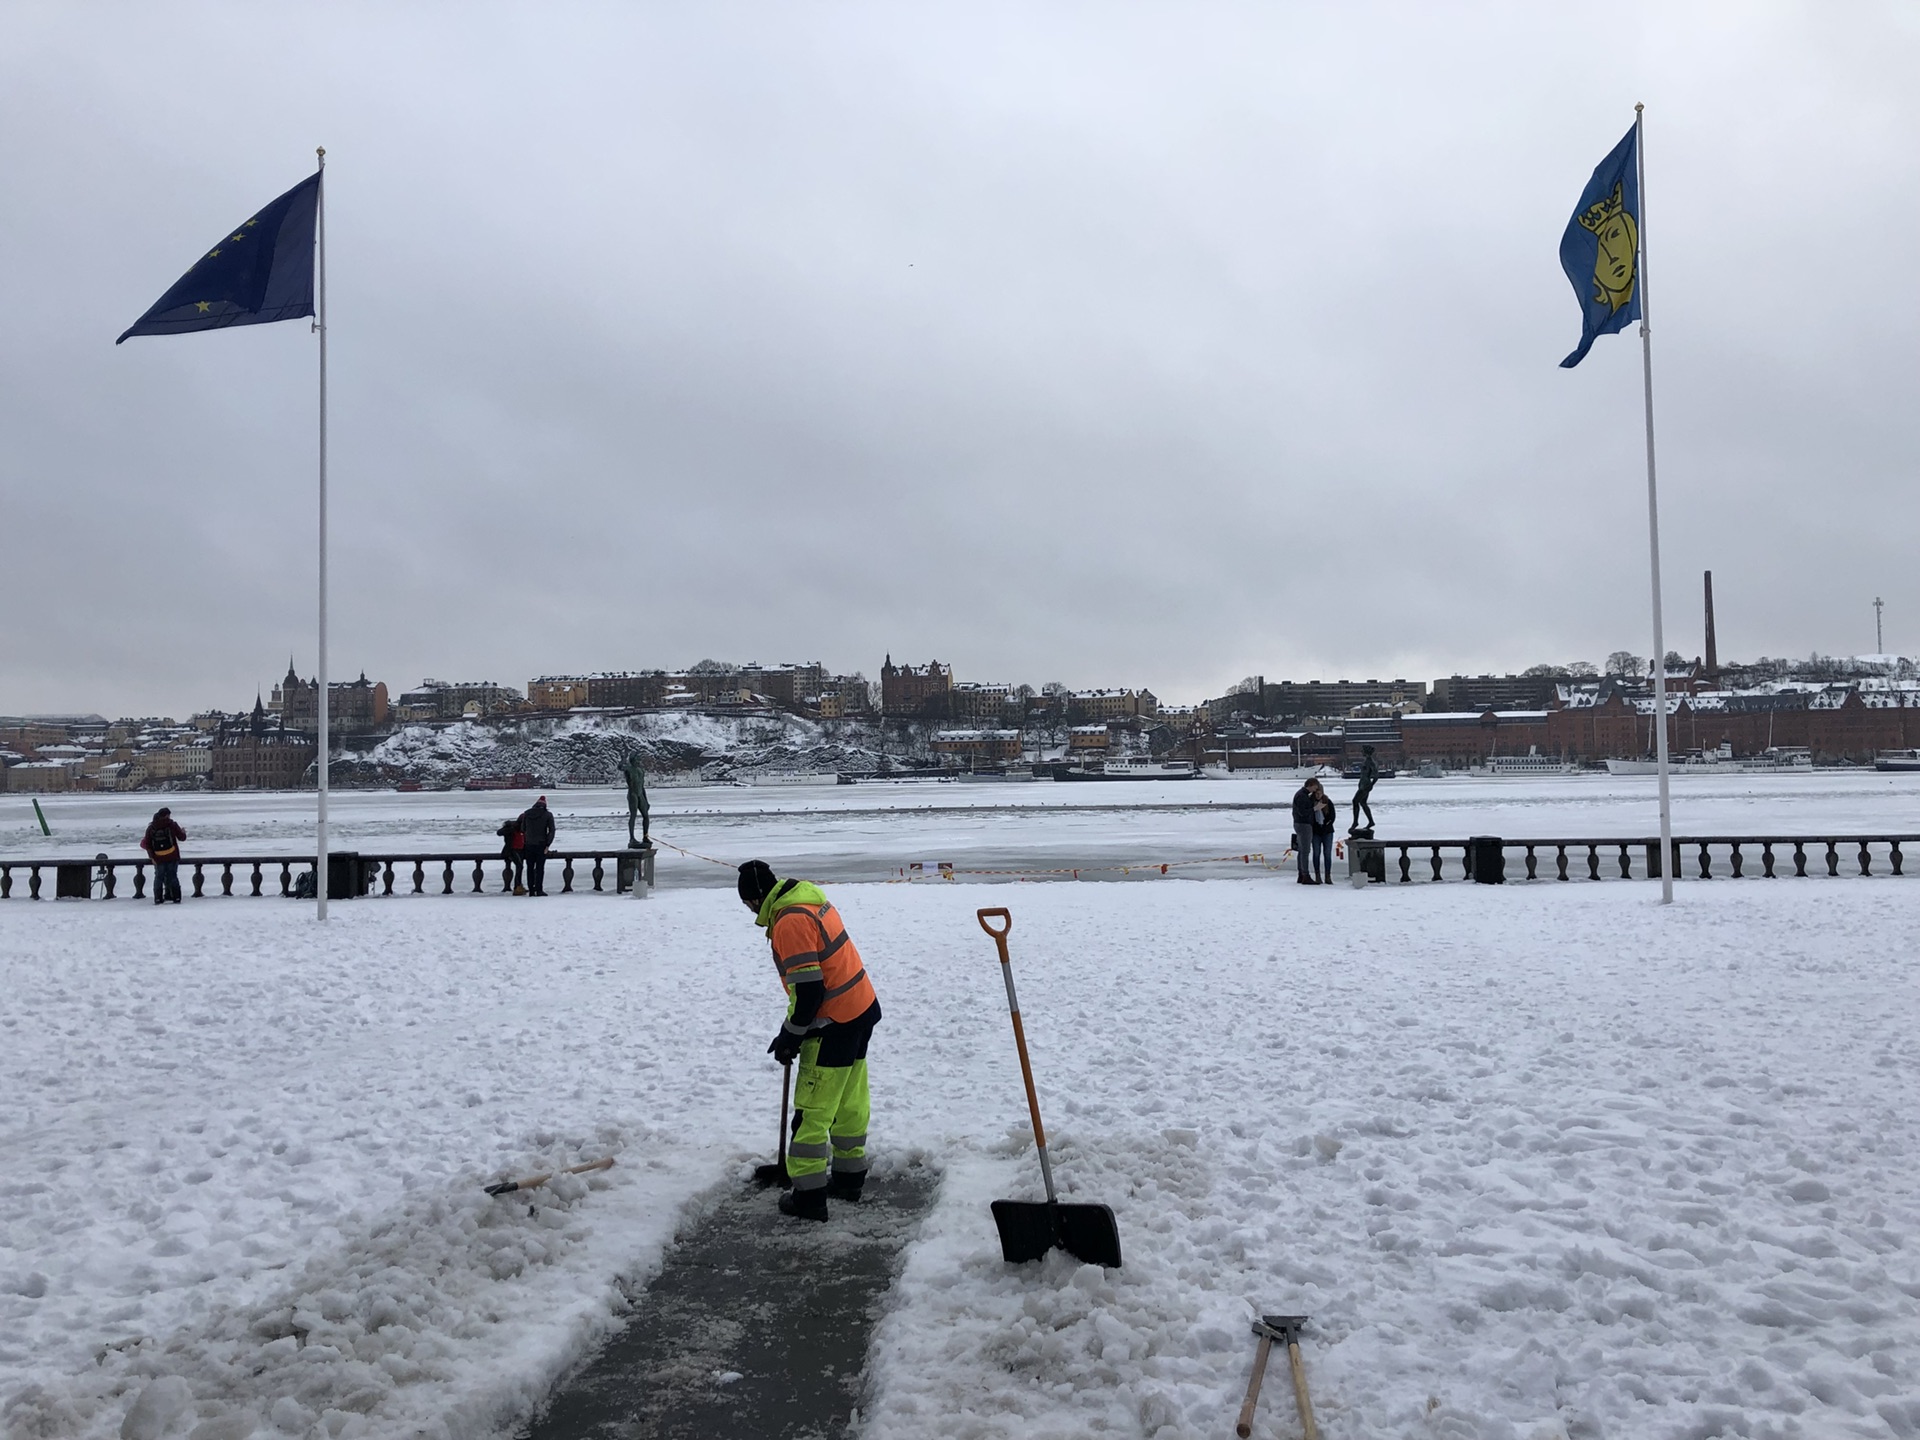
1625,662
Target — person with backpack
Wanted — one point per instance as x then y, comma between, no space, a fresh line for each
513,842
162,844
536,823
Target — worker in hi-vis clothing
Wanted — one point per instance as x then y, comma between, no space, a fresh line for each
831,1012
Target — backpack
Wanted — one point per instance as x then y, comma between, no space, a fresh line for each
160,843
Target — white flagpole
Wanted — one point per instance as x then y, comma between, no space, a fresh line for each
1653,526
320,324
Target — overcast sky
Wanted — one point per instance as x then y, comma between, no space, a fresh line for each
1146,345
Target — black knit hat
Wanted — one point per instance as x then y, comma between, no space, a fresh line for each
756,882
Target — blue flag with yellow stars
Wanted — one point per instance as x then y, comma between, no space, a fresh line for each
1601,250
259,272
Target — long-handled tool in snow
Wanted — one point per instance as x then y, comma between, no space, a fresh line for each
776,1173
534,1182
1285,1329
1028,1229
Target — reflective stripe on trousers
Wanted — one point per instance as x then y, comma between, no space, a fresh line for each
831,1112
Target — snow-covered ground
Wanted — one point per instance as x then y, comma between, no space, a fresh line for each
1540,1162
873,831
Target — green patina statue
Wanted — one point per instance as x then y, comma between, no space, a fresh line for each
636,772
1369,776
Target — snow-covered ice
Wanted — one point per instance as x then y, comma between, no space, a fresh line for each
872,831
1540,1162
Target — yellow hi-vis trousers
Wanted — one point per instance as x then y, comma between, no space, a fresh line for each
831,1110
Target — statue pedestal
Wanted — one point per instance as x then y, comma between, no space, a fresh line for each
633,872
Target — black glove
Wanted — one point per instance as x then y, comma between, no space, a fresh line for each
785,1046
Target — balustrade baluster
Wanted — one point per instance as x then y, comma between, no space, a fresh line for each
139,880
1706,863
1406,867
1593,862
386,878
112,870
256,879
199,881
448,890
1626,862
6,882
599,872
506,877
1766,859
1436,862
566,876
1799,858
1532,872
1833,858
419,874
226,877
1560,859
479,877
286,879
1893,855
1738,872
33,881
1866,860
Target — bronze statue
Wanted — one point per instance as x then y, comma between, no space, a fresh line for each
1369,776
636,772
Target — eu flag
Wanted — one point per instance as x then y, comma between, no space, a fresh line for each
259,272
1601,250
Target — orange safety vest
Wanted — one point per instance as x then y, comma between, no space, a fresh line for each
810,943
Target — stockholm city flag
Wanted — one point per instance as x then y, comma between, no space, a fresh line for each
258,272
1601,248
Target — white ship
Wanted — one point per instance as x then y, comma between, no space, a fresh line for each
1528,765
1133,770
1774,760
1897,760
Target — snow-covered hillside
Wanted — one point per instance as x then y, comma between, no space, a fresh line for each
591,748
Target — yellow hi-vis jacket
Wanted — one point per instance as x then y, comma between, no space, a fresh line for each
810,944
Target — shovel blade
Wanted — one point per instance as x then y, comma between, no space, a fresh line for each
775,1174
1030,1228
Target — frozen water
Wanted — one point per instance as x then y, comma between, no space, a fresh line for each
874,831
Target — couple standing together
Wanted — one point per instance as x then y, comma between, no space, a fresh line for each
1313,819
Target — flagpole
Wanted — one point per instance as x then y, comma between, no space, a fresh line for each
1653,525
320,875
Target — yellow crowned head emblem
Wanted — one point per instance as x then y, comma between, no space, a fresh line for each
1619,238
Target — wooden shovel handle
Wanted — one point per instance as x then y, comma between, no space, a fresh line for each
1311,1430
534,1182
1244,1427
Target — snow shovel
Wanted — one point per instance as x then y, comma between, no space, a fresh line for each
1028,1229
776,1173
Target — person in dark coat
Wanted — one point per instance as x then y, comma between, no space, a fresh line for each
162,844
513,852
1325,813
536,823
1303,818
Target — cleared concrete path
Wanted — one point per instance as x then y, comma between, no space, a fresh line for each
756,1327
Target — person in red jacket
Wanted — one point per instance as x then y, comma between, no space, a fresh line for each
162,844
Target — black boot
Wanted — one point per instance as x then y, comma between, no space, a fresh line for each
847,1185
804,1204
